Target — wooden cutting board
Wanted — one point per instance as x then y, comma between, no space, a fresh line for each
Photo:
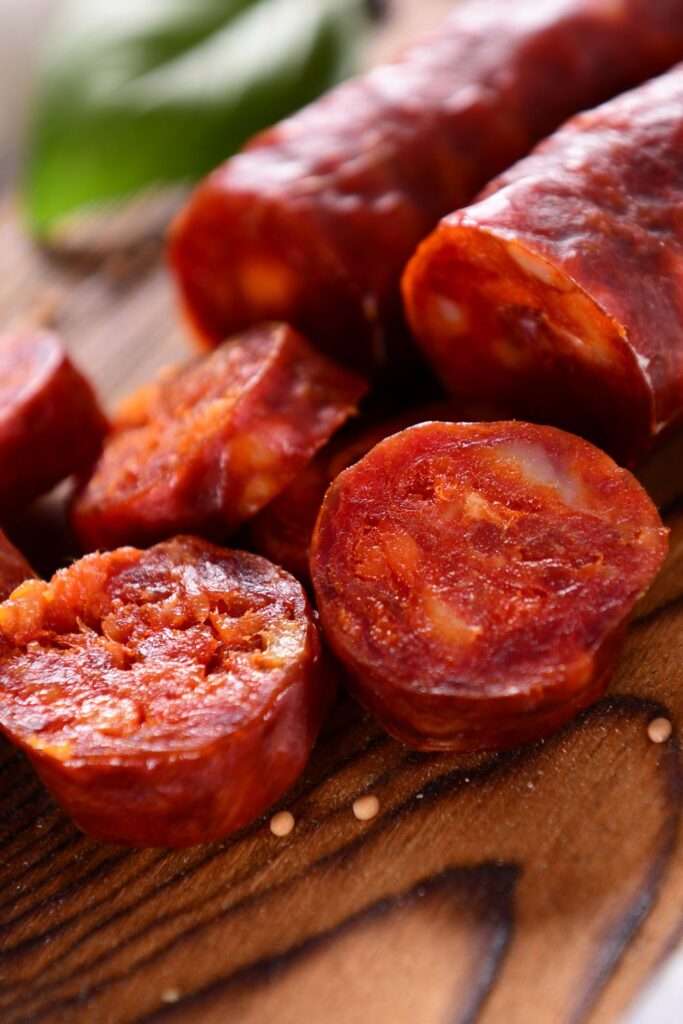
542,886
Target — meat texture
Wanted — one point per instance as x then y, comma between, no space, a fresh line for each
315,220
165,697
561,291
477,579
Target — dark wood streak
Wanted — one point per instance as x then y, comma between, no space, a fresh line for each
619,935
489,887
215,853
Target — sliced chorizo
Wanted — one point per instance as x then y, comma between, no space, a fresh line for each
166,697
282,531
560,290
477,579
51,425
211,443
314,222
14,569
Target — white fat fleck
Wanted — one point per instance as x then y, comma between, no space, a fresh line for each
537,267
643,362
477,507
445,622
284,644
537,468
588,350
452,314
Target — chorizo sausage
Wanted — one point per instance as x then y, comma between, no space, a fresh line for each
282,531
560,291
14,568
211,443
51,425
314,222
476,579
166,697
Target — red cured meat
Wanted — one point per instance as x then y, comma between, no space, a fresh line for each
314,222
51,425
284,529
210,444
14,568
561,291
477,579
165,697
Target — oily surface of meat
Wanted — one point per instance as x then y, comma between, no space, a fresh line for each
166,697
315,220
51,425
560,291
477,578
211,443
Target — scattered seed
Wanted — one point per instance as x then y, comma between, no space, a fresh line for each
365,807
281,824
659,730
170,995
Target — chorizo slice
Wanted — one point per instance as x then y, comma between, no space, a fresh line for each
560,291
211,443
477,579
315,220
51,425
283,530
166,697
14,568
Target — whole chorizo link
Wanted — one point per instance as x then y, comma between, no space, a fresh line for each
166,697
211,443
314,222
477,578
560,292
51,425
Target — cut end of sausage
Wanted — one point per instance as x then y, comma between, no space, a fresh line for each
166,697
212,443
242,256
51,425
476,579
499,321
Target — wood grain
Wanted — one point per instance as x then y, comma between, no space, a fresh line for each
544,885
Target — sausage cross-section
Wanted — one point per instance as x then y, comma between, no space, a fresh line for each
561,291
51,425
165,697
477,579
314,222
283,530
211,443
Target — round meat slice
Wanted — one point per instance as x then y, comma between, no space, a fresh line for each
284,529
14,568
166,697
211,443
477,579
51,425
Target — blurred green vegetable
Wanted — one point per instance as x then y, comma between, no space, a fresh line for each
139,93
